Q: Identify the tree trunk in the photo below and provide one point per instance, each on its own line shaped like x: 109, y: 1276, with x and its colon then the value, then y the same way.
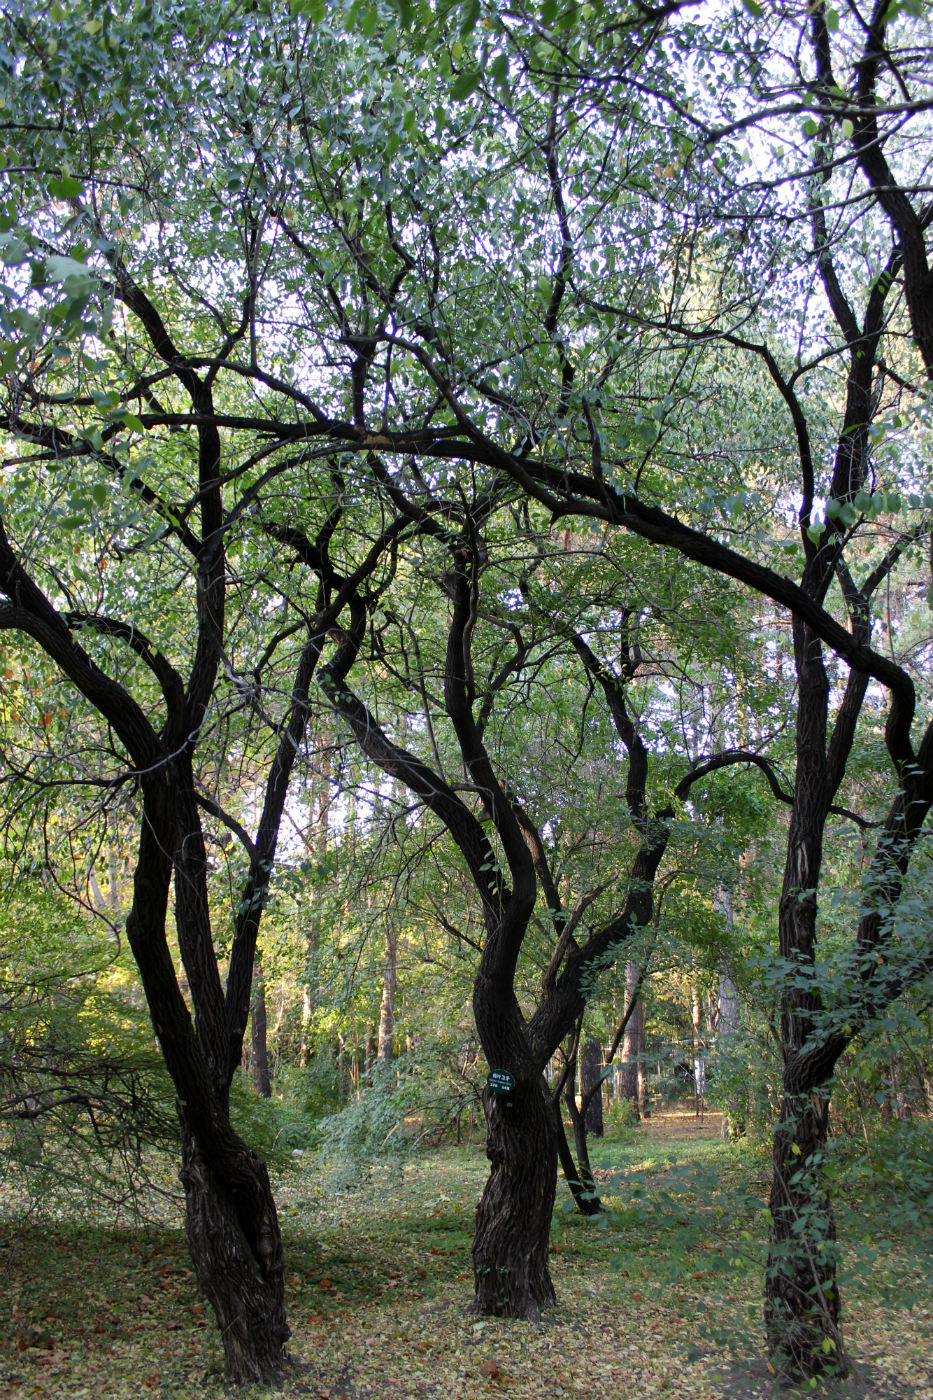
x: 727, y: 1026
x: 583, y: 1185
x: 584, y: 1194
x: 699, y: 1058
x: 233, y: 1237
x: 262, y: 1080
x: 591, y: 1071
x: 633, y: 1044
x: 384, y: 1050
x: 801, y: 1295
x: 513, y: 1221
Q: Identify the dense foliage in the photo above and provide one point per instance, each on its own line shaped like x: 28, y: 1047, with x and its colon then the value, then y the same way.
x: 465, y: 535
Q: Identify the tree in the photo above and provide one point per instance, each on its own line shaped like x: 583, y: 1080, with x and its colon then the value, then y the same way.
x: 153, y: 589
x: 740, y: 294
x: 543, y: 265
x: 541, y: 853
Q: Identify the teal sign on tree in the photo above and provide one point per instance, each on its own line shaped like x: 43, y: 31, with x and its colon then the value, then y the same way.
x: 500, y: 1081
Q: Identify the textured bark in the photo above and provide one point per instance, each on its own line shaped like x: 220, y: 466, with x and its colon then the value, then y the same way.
x: 583, y: 1183
x: 699, y: 1059
x: 727, y: 1025
x: 591, y: 1089
x: 513, y: 1221
x: 233, y: 1237
x: 801, y: 1294
x: 259, y: 1047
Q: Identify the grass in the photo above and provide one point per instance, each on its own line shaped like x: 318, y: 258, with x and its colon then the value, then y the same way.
x: 661, y: 1298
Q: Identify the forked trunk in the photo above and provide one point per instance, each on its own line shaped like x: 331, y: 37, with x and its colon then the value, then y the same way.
x: 233, y: 1238
x: 801, y: 1293
x: 513, y: 1221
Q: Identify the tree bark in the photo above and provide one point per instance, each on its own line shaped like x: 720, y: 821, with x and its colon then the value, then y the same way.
x: 727, y: 1025
x: 513, y: 1221
x: 233, y: 1237
x: 262, y: 1080
x: 699, y: 1057
x: 583, y: 1192
x: 591, y: 1070
x: 801, y: 1295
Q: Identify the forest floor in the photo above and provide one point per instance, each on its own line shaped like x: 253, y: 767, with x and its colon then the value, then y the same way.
x: 660, y: 1297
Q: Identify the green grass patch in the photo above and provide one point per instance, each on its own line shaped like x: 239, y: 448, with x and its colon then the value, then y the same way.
x: 659, y: 1297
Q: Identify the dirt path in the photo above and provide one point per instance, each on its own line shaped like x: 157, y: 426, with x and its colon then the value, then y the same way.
x: 680, y: 1121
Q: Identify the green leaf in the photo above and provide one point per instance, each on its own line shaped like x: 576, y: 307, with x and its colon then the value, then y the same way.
x: 466, y: 83
x: 64, y: 187
x: 470, y: 17
x: 832, y: 20
x: 72, y: 274
x: 15, y: 250
x: 499, y: 71
x: 753, y: 8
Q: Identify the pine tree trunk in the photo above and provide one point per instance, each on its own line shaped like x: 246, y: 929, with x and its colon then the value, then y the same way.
x: 801, y: 1294
x: 513, y: 1221
x: 233, y: 1236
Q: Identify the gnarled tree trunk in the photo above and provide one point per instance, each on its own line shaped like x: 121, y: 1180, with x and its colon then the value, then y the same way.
x: 801, y: 1295
x: 233, y: 1236
x: 513, y: 1221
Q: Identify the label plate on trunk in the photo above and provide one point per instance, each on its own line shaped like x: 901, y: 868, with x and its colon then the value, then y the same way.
x: 500, y: 1081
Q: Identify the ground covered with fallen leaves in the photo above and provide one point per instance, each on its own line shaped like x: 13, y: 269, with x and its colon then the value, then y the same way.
x: 659, y: 1297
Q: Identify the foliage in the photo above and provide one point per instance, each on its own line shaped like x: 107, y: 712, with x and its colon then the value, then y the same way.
x: 85, y: 1105
x: 422, y: 335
